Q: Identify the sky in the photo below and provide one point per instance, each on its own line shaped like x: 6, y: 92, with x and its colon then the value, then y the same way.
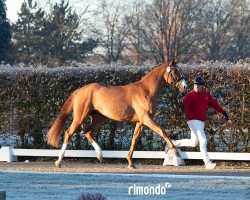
x: 13, y: 6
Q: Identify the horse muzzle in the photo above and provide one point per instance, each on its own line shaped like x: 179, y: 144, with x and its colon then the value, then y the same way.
x: 183, y: 86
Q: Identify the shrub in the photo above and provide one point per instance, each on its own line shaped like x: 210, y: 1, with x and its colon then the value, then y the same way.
x: 32, y: 97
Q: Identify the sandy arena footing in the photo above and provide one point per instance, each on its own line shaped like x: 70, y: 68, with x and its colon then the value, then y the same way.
x: 80, y: 167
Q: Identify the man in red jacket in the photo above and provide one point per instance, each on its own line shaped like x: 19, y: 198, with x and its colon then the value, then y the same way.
x: 196, y: 104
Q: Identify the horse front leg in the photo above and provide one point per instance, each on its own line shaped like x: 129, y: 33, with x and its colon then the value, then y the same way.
x: 137, y: 133
x: 152, y: 125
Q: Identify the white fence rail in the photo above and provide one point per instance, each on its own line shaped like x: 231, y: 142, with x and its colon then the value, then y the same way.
x: 8, y: 154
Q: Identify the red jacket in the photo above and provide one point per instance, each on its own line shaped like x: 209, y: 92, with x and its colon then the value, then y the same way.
x: 196, y: 105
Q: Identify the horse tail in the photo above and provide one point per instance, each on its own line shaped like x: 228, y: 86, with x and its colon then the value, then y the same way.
x: 58, y: 125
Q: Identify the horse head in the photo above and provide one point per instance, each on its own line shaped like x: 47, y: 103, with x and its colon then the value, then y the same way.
x: 174, y: 76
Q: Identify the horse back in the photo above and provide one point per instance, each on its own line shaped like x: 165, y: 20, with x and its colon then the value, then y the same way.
x: 115, y: 102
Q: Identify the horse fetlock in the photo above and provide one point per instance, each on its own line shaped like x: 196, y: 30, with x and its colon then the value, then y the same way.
x: 99, y: 157
x: 130, y: 164
x: 58, y: 163
x: 174, y: 149
x: 129, y: 160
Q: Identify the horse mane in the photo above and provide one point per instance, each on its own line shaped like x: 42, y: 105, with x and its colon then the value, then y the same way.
x: 151, y: 70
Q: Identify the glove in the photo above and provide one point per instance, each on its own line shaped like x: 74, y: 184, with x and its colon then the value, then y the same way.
x: 225, y: 115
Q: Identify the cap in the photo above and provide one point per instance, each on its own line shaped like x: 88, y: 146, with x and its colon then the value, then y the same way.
x: 199, y: 81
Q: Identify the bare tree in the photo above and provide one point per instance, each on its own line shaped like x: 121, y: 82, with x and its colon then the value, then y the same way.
x: 223, y: 29
x: 112, y: 30
x: 135, y: 20
x: 240, y: 47
x: 165, y: 29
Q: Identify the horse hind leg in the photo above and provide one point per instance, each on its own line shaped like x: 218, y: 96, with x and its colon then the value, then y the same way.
x: 68, y: 134
x: 78, y: 118
x: 96, y: 122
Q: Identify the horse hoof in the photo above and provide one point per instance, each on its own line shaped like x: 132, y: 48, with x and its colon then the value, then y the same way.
x: 58, y: 164
x: 131, y: 167
x: 99, y: 157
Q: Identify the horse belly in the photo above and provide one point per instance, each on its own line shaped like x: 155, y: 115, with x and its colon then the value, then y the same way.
x: 114, y: 102
x: 118, y: 112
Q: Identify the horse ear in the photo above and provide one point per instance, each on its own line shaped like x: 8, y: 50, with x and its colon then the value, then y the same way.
x: 174, y: 62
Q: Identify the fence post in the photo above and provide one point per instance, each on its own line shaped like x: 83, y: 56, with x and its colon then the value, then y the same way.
x: 2, y: 195
x: 172, y: 159
x: 6, y: 154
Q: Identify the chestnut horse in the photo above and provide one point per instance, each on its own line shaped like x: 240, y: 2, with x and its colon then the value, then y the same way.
x: 135, y: 102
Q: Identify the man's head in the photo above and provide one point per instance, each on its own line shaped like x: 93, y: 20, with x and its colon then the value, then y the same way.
x: 198, y: 84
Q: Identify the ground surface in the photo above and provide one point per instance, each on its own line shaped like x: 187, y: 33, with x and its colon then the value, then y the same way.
x: 44, y: 181
x: 90, y: 167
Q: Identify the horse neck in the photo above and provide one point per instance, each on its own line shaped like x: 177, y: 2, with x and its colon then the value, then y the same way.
x: 154, y: 81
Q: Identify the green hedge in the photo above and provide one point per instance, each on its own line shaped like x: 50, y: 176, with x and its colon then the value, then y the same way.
x: 30, y: 99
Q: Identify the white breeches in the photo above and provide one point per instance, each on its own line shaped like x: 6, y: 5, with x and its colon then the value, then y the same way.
x: 197, y: 136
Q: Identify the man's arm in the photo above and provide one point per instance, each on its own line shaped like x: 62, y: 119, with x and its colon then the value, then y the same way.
x: 214, y: 104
